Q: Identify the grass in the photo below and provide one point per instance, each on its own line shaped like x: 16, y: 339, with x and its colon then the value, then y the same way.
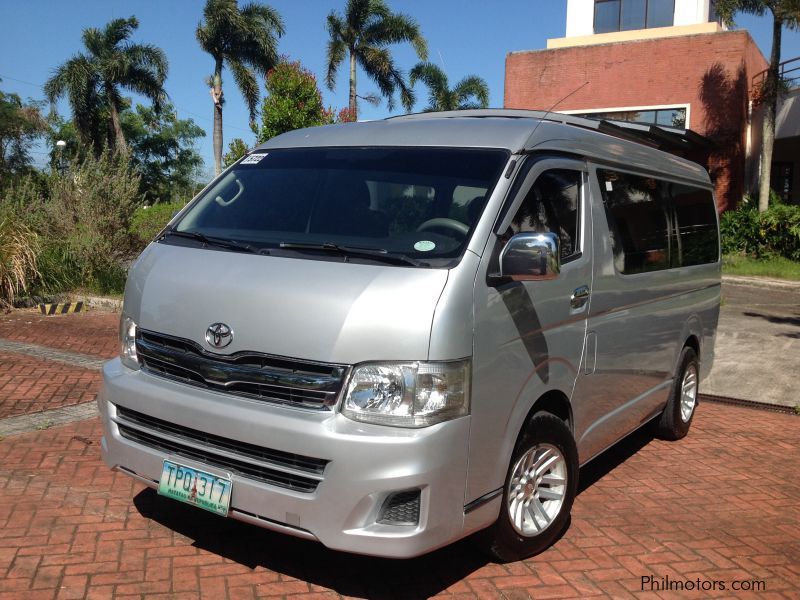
x: 779, y: 268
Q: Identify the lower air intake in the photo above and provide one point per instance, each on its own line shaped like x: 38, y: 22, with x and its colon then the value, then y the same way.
x: 400, y: 508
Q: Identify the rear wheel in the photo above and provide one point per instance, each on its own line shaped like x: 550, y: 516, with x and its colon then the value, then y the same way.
x: 677, y: 417
x: 539, y: 490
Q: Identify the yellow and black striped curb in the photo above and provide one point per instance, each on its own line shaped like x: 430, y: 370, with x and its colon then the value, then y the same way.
x: 61, y: 308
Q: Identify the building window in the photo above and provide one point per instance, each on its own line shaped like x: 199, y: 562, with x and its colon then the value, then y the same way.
x: 625, y: 15
x: 781, y: 179
x: 667, y: 117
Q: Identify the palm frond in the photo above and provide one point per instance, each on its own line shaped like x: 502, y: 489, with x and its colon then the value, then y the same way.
x: 270, y: 18
x: 337, y: 51
x: 429, y: 74
x: 394, y: 29
x: 379, y: 66
x: 357, y: 12
x: 94, y: 40
x: 119, y: 30
x: 149, y: 57
x: 472, y: 87
x: 248, y: 86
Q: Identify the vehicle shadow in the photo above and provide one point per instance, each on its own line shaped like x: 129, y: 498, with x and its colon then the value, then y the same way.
x: 614, y: 457
x: 795, y: 321
x: 347, y: 574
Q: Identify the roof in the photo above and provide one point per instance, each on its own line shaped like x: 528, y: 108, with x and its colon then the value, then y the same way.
x: 519, y: 131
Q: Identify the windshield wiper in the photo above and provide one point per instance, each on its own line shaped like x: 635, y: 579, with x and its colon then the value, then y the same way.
x: 375, y: 253
x: 215, y: 241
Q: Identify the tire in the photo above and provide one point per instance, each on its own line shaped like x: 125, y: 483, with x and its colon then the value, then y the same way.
x: 675, y: 420
x: 533, y: 518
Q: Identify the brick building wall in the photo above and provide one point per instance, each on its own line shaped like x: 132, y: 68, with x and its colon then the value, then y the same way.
x: 711, y: 73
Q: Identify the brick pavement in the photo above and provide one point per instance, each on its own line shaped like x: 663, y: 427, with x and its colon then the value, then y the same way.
x: 719, y: 505
x: 29, y: 385
x: 93, y: 332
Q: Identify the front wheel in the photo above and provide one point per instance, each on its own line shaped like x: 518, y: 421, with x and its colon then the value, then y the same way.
x: 539, y: 490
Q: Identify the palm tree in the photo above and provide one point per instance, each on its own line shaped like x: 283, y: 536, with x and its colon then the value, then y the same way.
x: 92, y: 80
x: 244, y: 39
x: 470, y: 92
x: 785, y: 13
x: 364, y: 32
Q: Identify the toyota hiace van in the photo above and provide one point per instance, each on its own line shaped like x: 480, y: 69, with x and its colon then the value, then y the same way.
x: 386, y: 336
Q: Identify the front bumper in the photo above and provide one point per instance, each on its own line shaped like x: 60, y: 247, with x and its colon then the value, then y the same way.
x: 367, y: 463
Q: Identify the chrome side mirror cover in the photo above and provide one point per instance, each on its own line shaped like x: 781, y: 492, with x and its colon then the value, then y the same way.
x: 531, y: 257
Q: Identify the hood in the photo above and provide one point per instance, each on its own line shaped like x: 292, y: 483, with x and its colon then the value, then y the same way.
x: 308, y: 309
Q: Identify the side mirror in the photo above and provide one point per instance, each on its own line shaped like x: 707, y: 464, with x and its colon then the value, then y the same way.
x: 531, y: 257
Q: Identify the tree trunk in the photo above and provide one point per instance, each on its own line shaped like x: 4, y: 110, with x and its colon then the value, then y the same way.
x: 353, y: 100
x: 216, y: 97
x: 771, y: 88
x: 119, y: 138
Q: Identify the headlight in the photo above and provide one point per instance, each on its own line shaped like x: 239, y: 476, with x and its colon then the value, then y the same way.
x: 127, y: 339
x: 414, y: 394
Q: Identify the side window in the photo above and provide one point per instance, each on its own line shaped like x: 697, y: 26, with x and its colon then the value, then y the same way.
x: 637, y: 215
x: 696, y: 241
x: 553, y: 205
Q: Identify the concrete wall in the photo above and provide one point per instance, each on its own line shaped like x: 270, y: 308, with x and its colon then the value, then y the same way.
x: 691, y: 12
x: 580, y: 17
x: 709, y: 72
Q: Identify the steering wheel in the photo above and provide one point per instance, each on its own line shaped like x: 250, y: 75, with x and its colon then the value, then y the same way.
x: 445, y: 223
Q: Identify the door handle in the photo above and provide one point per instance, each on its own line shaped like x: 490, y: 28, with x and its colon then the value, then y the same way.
x: 579, y: 297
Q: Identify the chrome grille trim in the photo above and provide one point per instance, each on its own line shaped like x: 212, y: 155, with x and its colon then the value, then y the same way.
x: 283, y: 469
x: 254, y: 375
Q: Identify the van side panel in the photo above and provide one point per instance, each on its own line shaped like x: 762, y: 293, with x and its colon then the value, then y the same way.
x: 640, y: 323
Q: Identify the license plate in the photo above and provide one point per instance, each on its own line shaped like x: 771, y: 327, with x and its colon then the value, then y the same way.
x: 197, y: 487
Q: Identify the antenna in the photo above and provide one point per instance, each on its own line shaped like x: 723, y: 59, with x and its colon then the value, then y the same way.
x: 442, y: 60
x: 549, y: 110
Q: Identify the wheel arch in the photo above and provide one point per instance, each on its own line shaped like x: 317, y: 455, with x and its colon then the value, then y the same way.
x: 553, y: 401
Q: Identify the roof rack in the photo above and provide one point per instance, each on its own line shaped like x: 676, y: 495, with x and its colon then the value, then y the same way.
x: 670, y: 139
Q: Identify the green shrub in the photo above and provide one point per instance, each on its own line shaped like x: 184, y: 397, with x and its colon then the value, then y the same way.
x: 87, y: 219
x: 19, y: 250
x: 147, y: 221
x: 775, y: 232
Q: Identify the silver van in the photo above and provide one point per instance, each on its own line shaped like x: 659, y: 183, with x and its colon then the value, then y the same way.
x: 386, y: 336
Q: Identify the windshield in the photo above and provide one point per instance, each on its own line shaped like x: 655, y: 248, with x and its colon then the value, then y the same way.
x: 418, y: 203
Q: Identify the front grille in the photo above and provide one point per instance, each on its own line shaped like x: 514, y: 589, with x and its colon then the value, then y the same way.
x: 249, y: 374
x: 283, y: 469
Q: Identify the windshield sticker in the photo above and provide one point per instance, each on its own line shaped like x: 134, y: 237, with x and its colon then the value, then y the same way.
x: 609, y: 186
x: 424, y: 246
x: 253, y: 159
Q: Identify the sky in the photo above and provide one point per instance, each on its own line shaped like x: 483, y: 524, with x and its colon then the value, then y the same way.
x: 465, y: 37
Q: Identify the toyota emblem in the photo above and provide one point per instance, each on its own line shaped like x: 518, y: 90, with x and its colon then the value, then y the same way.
x: 219, y: 335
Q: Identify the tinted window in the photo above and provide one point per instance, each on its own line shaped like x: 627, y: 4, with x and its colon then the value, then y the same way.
x: 606, y: 16
x: 634, y: 14
x: 422, y: 202
x: 637, y: 217
x: 696, y: 240
x: 552, y: 205
x: 624, y: 15
x: 660, y: 13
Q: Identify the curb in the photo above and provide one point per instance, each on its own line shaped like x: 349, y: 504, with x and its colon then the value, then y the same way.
x: 102, y: 302
x: 778, y: 408
x: 64, y: 308
x: 761, y: 282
